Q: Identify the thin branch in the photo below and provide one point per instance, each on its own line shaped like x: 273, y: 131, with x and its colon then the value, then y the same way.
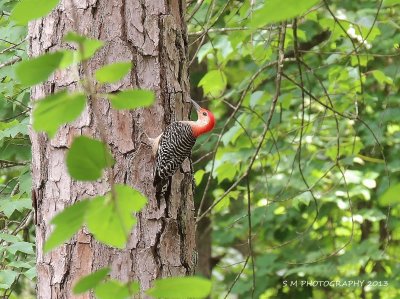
x: 195, y: 9
x: 24, y: 224
x: 4, y: 13
x: 299, y: 150
x: 237, y: 278
x: 11, y: 62
x: 278, y: 80
x: 236, y: 109
x: 13, y: 46
x: 9, y: 164
x: 250, y: 237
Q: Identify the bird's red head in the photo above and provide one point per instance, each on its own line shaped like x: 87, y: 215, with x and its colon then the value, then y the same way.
x: 205, y: 121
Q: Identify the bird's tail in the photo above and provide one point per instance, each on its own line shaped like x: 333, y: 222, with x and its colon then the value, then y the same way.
x: 163, y: 188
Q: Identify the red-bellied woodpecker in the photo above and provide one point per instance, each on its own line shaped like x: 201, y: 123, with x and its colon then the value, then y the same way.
x: 175, y: 144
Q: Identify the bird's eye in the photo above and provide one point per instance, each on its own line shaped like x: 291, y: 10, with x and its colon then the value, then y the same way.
x: 205, y: 113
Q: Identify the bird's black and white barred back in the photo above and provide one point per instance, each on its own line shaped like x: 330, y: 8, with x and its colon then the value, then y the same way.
x: 174, y: 147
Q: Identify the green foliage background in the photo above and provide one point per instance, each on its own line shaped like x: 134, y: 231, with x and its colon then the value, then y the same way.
x: 321, y: 194
x: 309, y: 192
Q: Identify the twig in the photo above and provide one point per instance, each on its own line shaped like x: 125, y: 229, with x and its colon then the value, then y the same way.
x: 13, y: 46
x: 250, y: 237
x: 5, y: 13
x: 24, y: 224
x: 236, y: 109
x: 278, y: 80
x: 237, y: 278
x: 11, y: 62
x: 9, y: 164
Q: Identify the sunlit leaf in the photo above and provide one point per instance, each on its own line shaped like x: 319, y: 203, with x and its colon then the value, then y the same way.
x: 57, y: 109
x: 38, y: 69
x: 87, y: 47
x: 275, y: 10
x: 70, y: 57
x: 111, y: 219
x: 67, y: 223
x: 381, y: 77
x: 391, y: 196
x: 27, y: 10
x: 113, y: 72
x: 90, y: 281
x: 225, y: 171
x: 131, y: 99
x: 180, y: 287
x: 114, y: 289
x: 198, y: 176
x: 87, y: 158
x: 214, y: 82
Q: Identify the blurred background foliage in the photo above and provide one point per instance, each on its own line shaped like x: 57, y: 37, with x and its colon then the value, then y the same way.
x: 321, y: 197
x: 17, y: 242
x: 300, y: 180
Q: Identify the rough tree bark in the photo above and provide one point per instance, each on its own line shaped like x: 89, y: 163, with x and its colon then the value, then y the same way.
x: 151, y: 34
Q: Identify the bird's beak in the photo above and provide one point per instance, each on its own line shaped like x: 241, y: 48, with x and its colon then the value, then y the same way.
x: 196, y: 106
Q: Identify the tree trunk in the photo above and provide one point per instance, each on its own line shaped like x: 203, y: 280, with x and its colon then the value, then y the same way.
x: 151, y: 34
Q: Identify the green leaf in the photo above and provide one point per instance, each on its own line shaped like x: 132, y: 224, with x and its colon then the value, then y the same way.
x: 275, y: 11
x: 180, y: 287
x: 27, y: 10
x: 390, y: 2
x: 25, y: 183
x: 8, y: 206
x: 256, y: 98
x: 57, y: 109
x: 8, y: 125
x: 70, y: 57
x: 67, y: 223
x: 23, y: 247
x: 214, y: 83
x: 225, y: 171
x: 391, y: 196
x: 113, y: 72
x: 19, y: 264
x: 381, y: 77
x: 87, y: 46
x: 87, y: 158
x: 111, y: 219
x: 90, y: 281
x: 372, y: 214
x: 198, y: 176
x: 232, y: 134
x: 9, y: 238
x: 31, y: 273
x: 13, y: 128
x: 113, y: 289
x: 130, y: 198
x: 131, y: 99
x: 38, y: 69
x: 7, y: 278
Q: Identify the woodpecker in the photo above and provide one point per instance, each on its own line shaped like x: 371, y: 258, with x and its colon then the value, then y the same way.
x: 175, y: 144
